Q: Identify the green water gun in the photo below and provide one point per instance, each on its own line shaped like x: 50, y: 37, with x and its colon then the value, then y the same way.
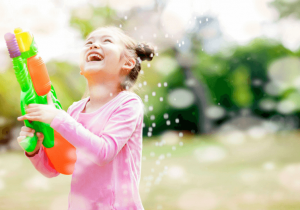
x: 32, y: 75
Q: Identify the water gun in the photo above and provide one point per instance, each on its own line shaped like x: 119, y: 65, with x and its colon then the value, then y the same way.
x: 32, y: 75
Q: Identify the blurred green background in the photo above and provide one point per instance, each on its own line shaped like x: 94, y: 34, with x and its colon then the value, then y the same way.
x: 221, y: 96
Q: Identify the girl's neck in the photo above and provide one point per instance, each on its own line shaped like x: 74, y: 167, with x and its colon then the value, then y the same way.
x: 100, y: 94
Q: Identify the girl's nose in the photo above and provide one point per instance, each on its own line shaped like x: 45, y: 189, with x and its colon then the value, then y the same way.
x: 94, y: 45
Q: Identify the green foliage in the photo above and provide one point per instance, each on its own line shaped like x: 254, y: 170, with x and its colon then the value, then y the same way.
x: 287, y: 7
x: 242, y: 94
x: 231, y: 78
x: 100, y: 16
x: 9, y: 95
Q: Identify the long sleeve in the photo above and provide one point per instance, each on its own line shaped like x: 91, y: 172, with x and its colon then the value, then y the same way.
x: 41, y: 162
x: 101, y: 148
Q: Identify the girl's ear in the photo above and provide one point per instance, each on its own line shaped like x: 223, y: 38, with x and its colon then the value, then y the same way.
x: 129, y: 64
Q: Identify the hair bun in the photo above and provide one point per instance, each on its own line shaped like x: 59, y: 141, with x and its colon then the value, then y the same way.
x: 145, y: 51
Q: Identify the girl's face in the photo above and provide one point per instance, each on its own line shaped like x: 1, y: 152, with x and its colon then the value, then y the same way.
x: 101, y: 54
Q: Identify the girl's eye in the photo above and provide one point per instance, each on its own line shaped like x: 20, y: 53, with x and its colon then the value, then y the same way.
x: 107, y: 40
x: 89, y: 42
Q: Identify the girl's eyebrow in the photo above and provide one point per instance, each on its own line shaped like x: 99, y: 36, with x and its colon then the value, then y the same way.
x: 101, y: 37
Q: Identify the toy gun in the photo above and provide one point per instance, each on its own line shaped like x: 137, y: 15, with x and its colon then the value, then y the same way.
x: 32, y: 75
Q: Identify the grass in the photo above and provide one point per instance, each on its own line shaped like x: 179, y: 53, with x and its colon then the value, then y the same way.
x: 205, y: 172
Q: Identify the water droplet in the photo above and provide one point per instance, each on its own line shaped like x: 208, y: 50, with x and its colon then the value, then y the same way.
x: 156, y: 143
x: 144, y: 157
x: 125, y: 17
x: 177, y: 41
x: 165, y: 84
x: 144, y: 125
x: 177, y: 120
x: 148, y: 65
x: 200, y: 21
x: 173, y: 148
x: 135, y: 28
x: 150, y: 108
x: 142, y: 72
x: 145, y: 82
x: 153, y: 93
x: 150, y: 129
x: 152, y: 117
x: 110, y: 94
x: 157, y: 162
x: 152, y: 154
x: 168, y: 154
x: 146, y: 96
x: 166, y: 116
x: 179, y: 45
x: 219, y: 104
x: 156, y: 54
x: 152, y: 170
x: 180, y: 143
x: 182, y: 42
x: 180, y: 134
x: 159, y: 84
x: 149, y: 134
x: 140, y: 84
x: 166, y: 35
x: 206, y: 19
x: 120, y: 25
x: 153, y: 125
x: 161, y: 98
x: 168, y: 122
x: 161, y: 157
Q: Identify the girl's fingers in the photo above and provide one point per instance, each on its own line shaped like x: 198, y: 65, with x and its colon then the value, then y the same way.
x: 20, y: 138
x: 25, y: 128
x: 26, y: 133
x: 29, y: 110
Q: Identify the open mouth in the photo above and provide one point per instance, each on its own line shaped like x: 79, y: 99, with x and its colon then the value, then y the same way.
x: 94, y: 57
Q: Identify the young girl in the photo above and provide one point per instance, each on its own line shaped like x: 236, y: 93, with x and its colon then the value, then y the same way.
x: 105, y: 127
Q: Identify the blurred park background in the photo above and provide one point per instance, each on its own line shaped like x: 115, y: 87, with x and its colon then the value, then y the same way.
x: 221, y: 124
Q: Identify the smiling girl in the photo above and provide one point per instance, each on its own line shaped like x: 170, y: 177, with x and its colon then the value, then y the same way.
x: 105, y: 127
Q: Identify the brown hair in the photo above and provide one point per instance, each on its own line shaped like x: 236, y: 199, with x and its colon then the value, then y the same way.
x: 140, y: 51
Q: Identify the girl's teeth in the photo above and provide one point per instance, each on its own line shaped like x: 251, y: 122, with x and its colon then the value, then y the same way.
x: 89, y: 57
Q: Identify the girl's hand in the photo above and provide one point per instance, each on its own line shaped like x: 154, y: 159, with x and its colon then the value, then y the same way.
x: 26, y: 131
x: 41, y: 112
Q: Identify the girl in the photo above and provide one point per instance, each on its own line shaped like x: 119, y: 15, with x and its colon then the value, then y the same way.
x: 105, y: 127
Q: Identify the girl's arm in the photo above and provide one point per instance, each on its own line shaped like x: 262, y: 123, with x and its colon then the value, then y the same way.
x: 41, y: 162
x: 101, y: 149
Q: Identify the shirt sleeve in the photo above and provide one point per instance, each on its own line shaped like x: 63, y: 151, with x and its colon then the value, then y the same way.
x: 41, y: 162
x: 101, y: 148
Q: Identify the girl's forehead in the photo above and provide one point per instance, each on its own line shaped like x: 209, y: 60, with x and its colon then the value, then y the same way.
x: 103, y: 32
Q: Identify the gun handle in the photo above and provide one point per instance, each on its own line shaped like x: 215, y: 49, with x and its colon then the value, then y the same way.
x: 29, y: 143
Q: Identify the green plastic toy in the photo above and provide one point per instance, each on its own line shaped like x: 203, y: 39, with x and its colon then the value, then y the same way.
x: 32, y: 75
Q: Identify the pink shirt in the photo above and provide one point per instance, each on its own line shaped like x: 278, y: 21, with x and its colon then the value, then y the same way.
x: 108, y: 145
